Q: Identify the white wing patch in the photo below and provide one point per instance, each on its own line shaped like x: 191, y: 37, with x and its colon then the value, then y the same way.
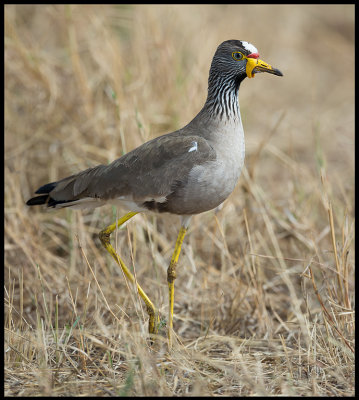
x: 194, y: 147
x: 249, y: 47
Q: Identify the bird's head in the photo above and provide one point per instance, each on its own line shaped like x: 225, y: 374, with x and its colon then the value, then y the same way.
x: 239, y: 59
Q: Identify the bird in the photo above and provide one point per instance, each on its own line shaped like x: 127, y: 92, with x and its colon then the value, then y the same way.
x: 186, y: 172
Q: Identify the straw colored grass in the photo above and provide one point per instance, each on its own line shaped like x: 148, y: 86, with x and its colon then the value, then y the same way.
x: 264, y: 295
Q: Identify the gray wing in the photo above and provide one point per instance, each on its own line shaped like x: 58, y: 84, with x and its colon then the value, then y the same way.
x: 152, y: 170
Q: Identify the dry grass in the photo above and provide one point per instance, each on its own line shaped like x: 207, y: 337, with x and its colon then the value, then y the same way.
x: 264, y: 301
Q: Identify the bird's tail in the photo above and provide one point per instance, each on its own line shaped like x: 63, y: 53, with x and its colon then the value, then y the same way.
x: 72, y: 191
x: 46, y: 198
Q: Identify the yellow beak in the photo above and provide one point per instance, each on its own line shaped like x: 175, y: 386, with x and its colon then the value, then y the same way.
x: 256, y: 65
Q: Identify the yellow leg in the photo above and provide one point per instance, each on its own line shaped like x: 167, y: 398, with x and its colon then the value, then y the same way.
x: 171, y: 276
x: 104, y: 235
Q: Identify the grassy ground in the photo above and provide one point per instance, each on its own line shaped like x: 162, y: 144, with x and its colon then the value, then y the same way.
x: 264, y: 295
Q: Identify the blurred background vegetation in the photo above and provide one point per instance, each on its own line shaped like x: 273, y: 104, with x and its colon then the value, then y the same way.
x: 265, y: 285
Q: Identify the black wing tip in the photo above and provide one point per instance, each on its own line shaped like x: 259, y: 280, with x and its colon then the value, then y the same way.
x: 38, y: 200
x: 46, y: 188
x: 45, y: 198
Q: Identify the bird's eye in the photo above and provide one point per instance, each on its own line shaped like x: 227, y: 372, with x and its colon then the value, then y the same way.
x: 237, y: 55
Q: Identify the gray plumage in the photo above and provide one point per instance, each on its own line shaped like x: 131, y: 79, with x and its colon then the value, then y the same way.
x: 185, y: 172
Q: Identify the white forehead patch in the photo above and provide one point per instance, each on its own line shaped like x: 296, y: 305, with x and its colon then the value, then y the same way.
x: 249, y: 47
